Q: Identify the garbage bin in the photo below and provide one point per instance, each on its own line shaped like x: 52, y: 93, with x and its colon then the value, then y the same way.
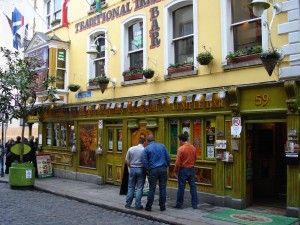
x: 21, y: 174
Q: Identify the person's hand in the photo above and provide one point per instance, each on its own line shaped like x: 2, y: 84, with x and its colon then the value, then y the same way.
x: 175, y: 175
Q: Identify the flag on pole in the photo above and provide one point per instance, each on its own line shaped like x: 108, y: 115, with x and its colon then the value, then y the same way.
x: 17, y: 23
x: 98, y: 5
x: 65, y: 13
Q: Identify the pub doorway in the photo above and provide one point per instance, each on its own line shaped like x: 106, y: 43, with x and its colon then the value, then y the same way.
x: 266, y: 168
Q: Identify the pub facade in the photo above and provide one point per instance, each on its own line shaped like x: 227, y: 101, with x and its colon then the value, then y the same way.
x: 243, y: 122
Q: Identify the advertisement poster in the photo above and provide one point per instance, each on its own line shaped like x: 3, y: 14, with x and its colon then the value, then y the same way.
x: 44, y: 166
x: 88, y: 144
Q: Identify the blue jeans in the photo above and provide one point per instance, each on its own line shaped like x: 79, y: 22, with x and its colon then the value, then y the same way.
x: 186, y: 174
x: 136, y: 182
x: 159, y: 174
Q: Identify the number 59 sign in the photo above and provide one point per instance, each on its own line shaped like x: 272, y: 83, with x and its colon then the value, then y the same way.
x: 262, y: 100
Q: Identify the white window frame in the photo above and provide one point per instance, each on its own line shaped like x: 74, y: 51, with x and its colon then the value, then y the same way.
x: 64, y: 69
x: 52, y: 12
x: 227, y: 32
x: 125, y: 63
x: 169, y: 51
x: 91, y: 58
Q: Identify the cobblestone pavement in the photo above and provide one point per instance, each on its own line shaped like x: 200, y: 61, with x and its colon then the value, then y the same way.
x: 31, y: 207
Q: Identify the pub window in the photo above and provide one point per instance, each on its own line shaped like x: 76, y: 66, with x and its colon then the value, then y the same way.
x: 210, y: 138
x: 110, y: 139
x: 97, y: 63
x: 60, y: 134
x: 183, y: 35
x: 135, y: 45
x: 119, y: 139
x: 193, y: 127
x: 60, y: 69
x: 246, y: 28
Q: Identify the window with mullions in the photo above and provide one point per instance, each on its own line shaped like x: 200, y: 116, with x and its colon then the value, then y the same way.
x: 135, y: 45
x: 210, y: 138
x: 246, y: 28
x: 193, y: 127
x: 53, y: 11
x: 57, y: 10
x: 60, y: 69
x: 99, y: 61
x: 183, y: 35
x: 60, y: 134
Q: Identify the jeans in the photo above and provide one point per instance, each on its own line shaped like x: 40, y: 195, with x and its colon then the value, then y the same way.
x: 186, y: 174
x: 136, y: 182
x: 159, y: 174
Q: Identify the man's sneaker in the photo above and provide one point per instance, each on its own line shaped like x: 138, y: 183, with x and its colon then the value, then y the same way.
x: 195, y: 207
x: 177, y: 207
x: 162, y: 208
x: 127, y: 206
x: 139, y: 208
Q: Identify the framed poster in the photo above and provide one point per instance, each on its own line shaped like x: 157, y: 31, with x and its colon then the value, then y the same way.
x: 171, y: 169
x: 44, y: 166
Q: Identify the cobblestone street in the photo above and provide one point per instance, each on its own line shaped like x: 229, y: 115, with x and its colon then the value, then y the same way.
x: 20, y: 207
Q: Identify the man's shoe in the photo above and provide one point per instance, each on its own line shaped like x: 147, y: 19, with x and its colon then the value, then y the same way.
x: 139, y: 208
x: 177, y: 207
x: 127, y: 206
x: 195, y: 207
x: 163, y: 208
x: 148, y: 209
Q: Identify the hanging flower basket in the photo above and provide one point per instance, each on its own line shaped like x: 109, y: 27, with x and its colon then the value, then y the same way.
x: 205, y: 57
x: 148, y: 73
x: 102, y: 82
x: 270, y: 59
x: 74, y: 87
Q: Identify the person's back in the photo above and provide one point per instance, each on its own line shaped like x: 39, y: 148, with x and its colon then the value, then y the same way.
x: 135, y: 156
x: 156, y: 156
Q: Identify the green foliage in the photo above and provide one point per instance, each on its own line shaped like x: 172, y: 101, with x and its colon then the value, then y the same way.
x: 176, y: 65
x: 18, y: 86
x: 102, y: 79
x: 270, y: 54
x: 205, y: 57
x: 244, y: 51
x: 73, y: 87
x: 132, y: 71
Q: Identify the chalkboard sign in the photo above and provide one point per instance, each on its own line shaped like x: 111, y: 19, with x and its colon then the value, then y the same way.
x: 44, y: 166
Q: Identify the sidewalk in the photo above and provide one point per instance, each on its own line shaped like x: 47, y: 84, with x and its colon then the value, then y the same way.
x: 107, y: 196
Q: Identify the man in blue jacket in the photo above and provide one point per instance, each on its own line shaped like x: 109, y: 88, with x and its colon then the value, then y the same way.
x: 156, y: 160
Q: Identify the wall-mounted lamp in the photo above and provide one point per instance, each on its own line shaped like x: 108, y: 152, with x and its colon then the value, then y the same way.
x: 113, y: 82
x: 259, y: 6
x: 93, y: 48
x: 271, y: 57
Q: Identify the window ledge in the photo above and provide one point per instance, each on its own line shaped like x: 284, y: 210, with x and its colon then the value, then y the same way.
x: 132, y: 82
x: 181, y: 75
x: 93, y: 87
x: 240, y: 65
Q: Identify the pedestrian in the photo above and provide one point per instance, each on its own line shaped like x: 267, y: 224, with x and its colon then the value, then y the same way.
x: 156, y: 160
x: 184, y: 170
x: 137, y: 175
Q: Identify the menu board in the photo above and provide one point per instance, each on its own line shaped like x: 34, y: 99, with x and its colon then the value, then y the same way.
x: 44, y: 166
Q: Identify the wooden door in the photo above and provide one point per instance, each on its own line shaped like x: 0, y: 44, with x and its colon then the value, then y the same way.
x: 114, y: 154
x: 140, y: 132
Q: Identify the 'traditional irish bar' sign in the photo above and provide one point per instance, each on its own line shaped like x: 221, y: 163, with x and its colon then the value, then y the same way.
x: 111, y: 14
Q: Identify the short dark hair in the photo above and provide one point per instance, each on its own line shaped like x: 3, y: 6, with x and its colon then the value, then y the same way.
x: 141, y: 140
x: 183, y: 137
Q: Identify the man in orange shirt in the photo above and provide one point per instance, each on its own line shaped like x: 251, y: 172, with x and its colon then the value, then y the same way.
x: 184, y: 170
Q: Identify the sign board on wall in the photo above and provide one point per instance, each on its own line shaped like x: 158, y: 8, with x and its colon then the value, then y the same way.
x: 44, y: 166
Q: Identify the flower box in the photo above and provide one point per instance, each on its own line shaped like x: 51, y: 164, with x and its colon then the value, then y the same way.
x: 180, y: 69
x: 135, y: 76
x: 243, y: 58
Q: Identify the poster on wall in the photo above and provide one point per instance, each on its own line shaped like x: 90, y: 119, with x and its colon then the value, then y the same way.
x: 88, y: 144
x: 44, y: 166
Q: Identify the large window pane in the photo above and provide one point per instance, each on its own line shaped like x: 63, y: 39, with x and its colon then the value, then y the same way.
x: 100, y: 47
x: 241, y: 10
x: 135, y: 38
x: 57, y: 5
x: 61, y: 58
x: 247, y: 35
x: 184, y: 50
x: 136, y: 59
x: 183, y: 21
x: 60, y: 79
x: 99, y: 67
